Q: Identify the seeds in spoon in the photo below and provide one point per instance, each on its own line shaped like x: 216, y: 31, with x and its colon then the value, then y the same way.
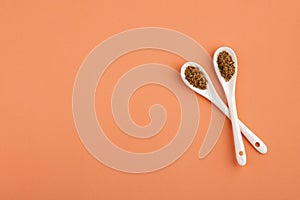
x: 226, y: 65
x: 195, y: 77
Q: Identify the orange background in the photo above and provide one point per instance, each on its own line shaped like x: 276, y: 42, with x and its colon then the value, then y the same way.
x: 43, y: 44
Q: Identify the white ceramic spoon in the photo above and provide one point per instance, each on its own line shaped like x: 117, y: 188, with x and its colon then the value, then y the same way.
x: 211, y: 94
x: 229, y: 89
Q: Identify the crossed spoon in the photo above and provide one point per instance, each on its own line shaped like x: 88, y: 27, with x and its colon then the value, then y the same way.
x: 229, y: 88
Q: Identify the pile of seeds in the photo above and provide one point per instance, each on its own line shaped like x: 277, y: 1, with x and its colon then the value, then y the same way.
x: 195, y: 77
x: 226, y: 65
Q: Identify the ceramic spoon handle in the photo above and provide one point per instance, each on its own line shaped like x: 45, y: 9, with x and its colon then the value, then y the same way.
x: 240, y: 152
x: 255, y: 141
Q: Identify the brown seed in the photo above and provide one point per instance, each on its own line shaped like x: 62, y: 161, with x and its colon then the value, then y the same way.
x: 195, y: 77
x: 226, y: 65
